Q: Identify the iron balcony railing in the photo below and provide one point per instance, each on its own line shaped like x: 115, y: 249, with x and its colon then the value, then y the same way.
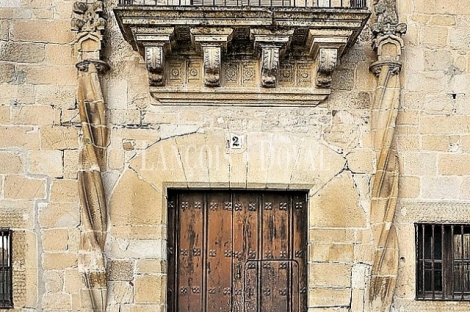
x: 355, y: 4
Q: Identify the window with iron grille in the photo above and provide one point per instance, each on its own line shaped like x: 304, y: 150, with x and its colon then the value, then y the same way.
x: 442, y: 261
x: 5, y: 269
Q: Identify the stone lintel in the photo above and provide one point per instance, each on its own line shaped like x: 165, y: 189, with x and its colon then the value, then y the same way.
x: 240, y: 96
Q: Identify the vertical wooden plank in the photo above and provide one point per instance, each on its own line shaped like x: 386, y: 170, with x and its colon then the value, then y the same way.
x: 299, y: 250
x: 190, y: 264
x: 219, y: 252
x: 171, y: 247
x: 274, y: 275
x: 245, y: 248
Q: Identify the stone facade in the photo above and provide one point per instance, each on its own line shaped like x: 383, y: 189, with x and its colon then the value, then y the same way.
x: 325, y: 147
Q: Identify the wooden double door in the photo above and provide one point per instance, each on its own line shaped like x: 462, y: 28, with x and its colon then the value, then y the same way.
x: 237, y: 251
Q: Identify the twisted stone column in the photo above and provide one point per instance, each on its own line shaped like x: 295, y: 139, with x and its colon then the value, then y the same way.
x: 388, y: 44
x: 88, y: 25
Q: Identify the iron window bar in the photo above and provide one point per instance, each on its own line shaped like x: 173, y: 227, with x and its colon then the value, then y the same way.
x: 6, y: 296
x: 442, y: 261
x: 355, y: 4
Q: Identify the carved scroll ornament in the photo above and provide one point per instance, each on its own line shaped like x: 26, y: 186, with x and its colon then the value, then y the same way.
x: 269, y: 66
x: 271, y: 47
x: 212, y: 62
x: 326, y: 66
x: 211, y: 42
x: 388, y: 44
x: 88, y: 25
x: 155, y: 61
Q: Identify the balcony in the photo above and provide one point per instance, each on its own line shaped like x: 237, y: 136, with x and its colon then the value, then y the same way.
x: 248, y: 52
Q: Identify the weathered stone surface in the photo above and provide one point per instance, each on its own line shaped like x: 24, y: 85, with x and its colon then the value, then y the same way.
x: 42, y: 31
x: 63, y: 215
x: 121, y: 293
x: 64, y: 191
x: 59, y: 261
x: 54, y: 281
x: 20, y: 187
x: 55, y: 240
x: 339, y: 275
x: 337, y: 204
x: 134, y: 192
x: 7, y: 72
x: 46, y: 162
x: 22, y: 52
x: 58, y: 138
x: 149, y: 282
x: 11, y: 162
x: 120, y: 270
x: 57, y: 301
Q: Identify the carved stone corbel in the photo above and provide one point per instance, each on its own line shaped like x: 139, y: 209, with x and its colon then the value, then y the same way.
x: 211, y: 42
x: 155, y: 62
x: 212, y: 62
x: 326, y: 47
x: 272, y: 46
x: 326, y: 65
x: 156, y: 44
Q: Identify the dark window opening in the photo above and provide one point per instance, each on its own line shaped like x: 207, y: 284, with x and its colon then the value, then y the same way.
x: 5, y: 269
x: 442, y: 261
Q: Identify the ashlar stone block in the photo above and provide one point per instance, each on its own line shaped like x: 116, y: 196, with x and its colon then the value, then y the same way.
x: 46, y: 163
x: 59, y: 215
x: 59, y: 261
x: 337, y: 204
x: 21, y: 187
x: 134, y: 192
x: 146, y: 282
x: 329, y: 297
x: 11, y: 162
x: 64, y: 191
x: 59, y: 138
x: 121, y: 270
x: 55, y: 240
x: 339, y: 275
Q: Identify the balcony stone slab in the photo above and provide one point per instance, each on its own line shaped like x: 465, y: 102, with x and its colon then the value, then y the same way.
x: 203, y: 55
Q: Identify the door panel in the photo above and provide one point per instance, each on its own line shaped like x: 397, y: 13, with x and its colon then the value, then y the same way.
x: 190, y: 277
x: 219, y: 251
x: 237, y: 251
